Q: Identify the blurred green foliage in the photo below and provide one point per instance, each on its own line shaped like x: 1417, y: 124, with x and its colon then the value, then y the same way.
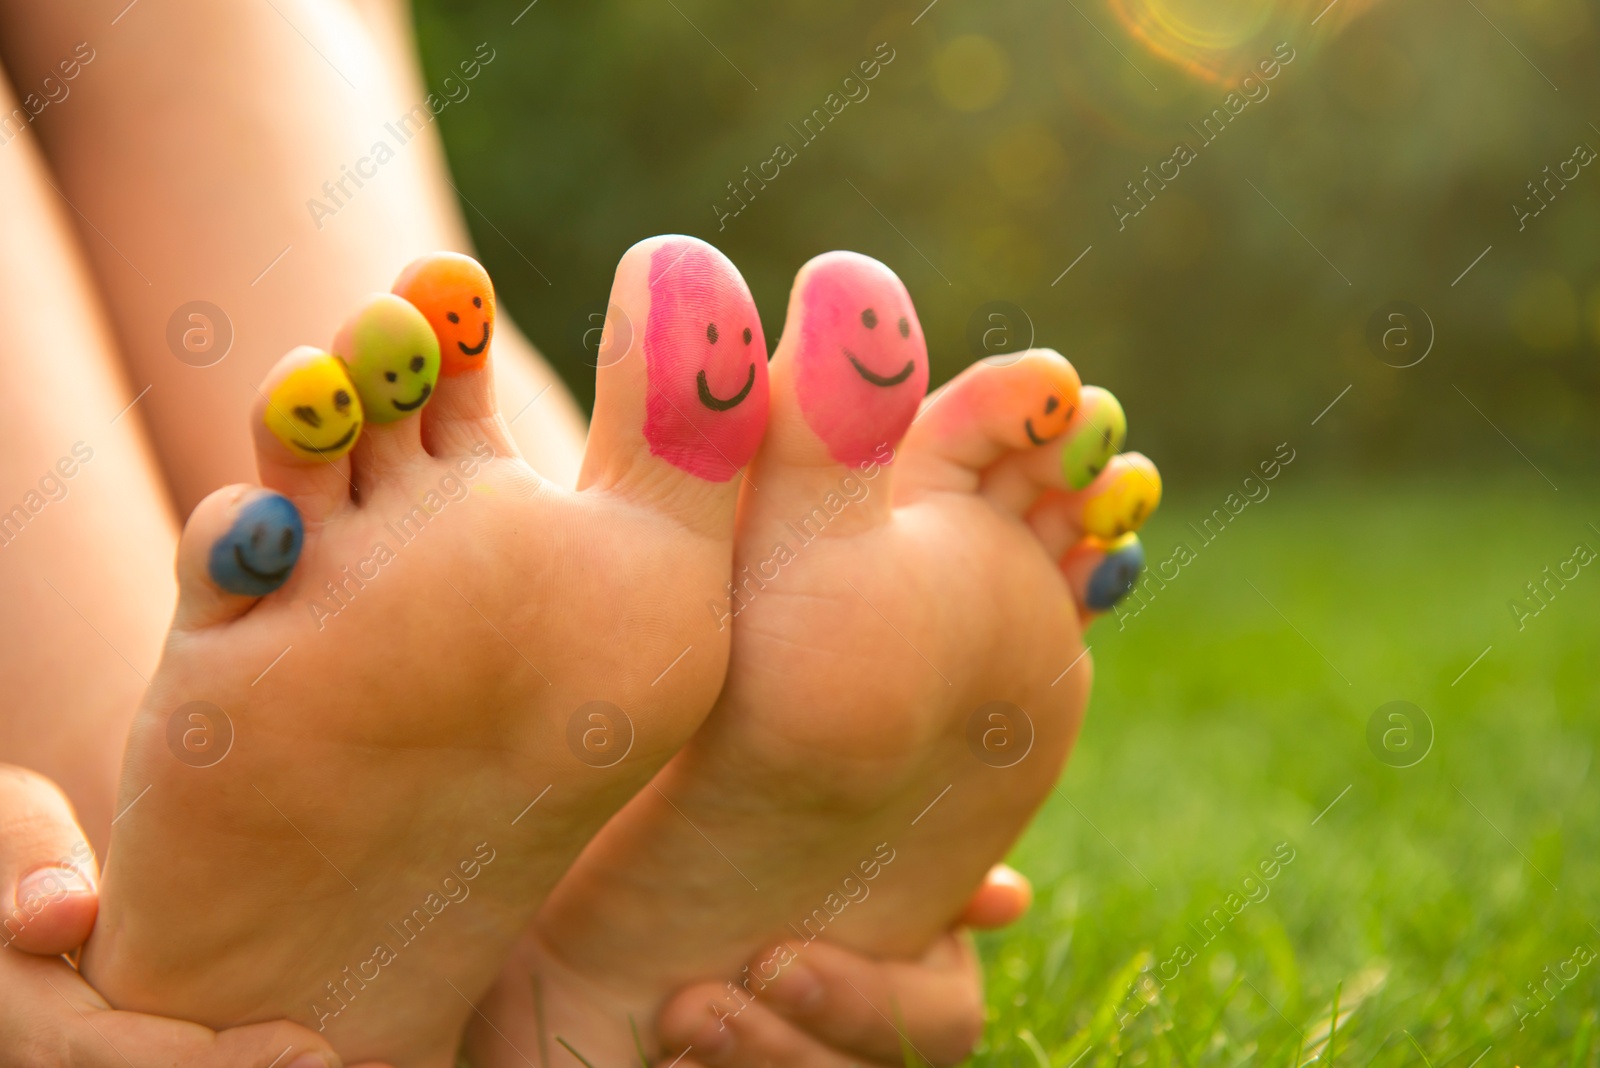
x: 987, y: 156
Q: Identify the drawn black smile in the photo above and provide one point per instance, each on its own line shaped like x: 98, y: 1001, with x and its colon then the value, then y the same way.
x: 474, y: 350
x: 411, y: 406
x: 715, y: 403
x: 880, y: 380
x: 1027, y: 424
x: 264, y: 576
x: 349, y: 436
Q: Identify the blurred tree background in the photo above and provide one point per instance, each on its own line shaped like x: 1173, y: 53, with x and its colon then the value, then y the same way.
x: 986, y: 156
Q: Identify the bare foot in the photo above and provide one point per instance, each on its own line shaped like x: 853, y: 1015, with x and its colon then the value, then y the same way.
x: 908, y: 674
x: 407, y: 680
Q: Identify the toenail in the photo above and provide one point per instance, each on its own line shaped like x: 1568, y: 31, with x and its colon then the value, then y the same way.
x: 797, y: 987
x: 1116, y: 575
x: 50, y: 884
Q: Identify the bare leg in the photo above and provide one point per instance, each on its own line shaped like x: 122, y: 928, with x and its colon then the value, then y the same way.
x: 192, y: 145
x: 86, y: 538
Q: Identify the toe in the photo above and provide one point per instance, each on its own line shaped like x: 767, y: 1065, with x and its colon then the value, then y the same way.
x: 240, y: 544
x: 1009, y: 406
x: 1120, y: 499
x: 681, y: 390
x: 1101, y: 574
x: 847, y: 378
x: 454, y: 294
x: 307, y: 417
x: 392, y: 357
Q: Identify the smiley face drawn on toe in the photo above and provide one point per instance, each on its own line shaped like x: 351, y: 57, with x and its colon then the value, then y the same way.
x: 862, y: 363
x: 705, y: 360
x: 393, y: 356
x: 1098, y: 436
x: 1124, y: 498
x: 316, y: 410
x: 259, y: 551
x: 1053, y: 422
x: 454, y: 294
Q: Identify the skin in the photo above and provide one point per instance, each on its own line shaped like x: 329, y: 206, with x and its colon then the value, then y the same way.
x: 454, y: 293
x: 315, y: 410
x: 1122, y: 497
x: 259, y: 551
x: 392, y: 355
x: 864, y: 363
x: 72, y: 285
x: 707, y: 361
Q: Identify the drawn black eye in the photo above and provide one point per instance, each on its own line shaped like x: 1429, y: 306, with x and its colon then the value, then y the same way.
x: 453, y: 317
x: 905, y: 327
x: 711, y: 333
x: 307, y: 414
x: 747, y: 335
x: 390, y: 375
x: 417, y: 362
x: 477, y: 302
x: 286, y: 542
x: 869, y: 318
x: 1051, y: 404
x: 256, y: 535
x: 341, y: 400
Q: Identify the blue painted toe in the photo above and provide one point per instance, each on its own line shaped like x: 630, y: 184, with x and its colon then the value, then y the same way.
x: 259, y: 551
x: 1116, y: 575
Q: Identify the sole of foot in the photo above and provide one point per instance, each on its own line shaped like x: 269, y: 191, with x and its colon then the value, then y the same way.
x: 911, y: 581
x: 408, y: 680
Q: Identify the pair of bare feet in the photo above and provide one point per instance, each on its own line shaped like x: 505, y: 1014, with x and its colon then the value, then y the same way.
x: 793, y: 665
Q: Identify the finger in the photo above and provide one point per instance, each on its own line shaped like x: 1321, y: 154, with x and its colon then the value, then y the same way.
x: 49, y: 1015
x: 864, y: 1007
x: 48, y: 876
x: 720, y: 1033
x: 1003, y: 899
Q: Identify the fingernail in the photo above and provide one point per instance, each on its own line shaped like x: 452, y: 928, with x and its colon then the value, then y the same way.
x: 1127, y: 492
x: 862, y: 362
x: 706, y: 360
x: 259, y: 550
x: 51, y: 884
x: 715, y: 1037
x: 454, y: 294
x: 1117, y: 574
x: 797, y: 986
x: 392, y: 355
x: 1101, y: 430
x: 315, y: 410
x: 312, y: 1060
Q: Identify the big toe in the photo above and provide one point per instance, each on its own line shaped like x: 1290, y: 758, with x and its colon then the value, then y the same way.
x: 681, y: 388
x: 847, y: 378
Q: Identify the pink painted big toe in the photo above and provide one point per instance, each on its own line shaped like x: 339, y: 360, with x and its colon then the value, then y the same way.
x: 707, y: 362
x: 863, y: 363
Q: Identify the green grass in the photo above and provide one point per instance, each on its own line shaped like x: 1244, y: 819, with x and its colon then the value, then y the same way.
x: 1426, y: 899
